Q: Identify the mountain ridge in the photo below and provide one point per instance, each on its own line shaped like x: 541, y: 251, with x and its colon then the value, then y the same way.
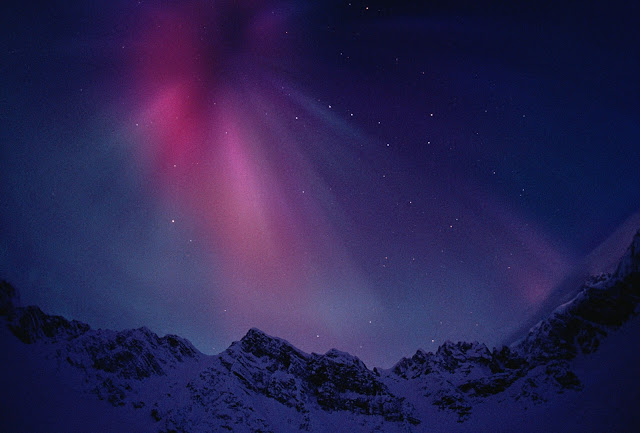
x: 263, y: 383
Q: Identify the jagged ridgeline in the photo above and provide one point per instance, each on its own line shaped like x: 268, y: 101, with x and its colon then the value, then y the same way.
x: 264, y: 384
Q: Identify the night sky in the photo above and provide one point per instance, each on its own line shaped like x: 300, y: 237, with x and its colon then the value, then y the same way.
x: 360, y: 175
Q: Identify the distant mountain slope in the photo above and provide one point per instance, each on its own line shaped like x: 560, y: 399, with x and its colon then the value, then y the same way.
x: 462, y: 376
x: 264, y: 384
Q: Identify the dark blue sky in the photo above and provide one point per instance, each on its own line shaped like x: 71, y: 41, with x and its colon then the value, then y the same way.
x: 359, y: 175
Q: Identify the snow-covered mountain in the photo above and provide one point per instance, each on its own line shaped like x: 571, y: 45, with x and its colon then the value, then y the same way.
x: 577, y: 370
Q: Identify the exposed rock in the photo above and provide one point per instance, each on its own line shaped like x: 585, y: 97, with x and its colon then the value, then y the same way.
x: 8, y: 298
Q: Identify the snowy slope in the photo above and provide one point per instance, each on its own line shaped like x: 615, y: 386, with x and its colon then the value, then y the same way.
x: 574, y: 371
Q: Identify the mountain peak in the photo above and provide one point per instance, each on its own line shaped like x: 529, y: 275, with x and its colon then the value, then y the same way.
x: 255, y: 333
x: 259, y: 344
x: 256, y: 336
x: 463, y: 349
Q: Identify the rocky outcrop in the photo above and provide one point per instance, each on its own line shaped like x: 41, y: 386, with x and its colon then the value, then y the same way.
x: 8, y: 298
x: 603, y: 304
x: 630, y: 262
x: 335, y: 381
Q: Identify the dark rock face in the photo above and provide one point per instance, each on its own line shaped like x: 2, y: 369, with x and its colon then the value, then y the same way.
x: 30, y: 324
x: 8, y: 297
x: 418, y: 365
x: 630, y: 262
x: 489, y: 385
x: 136, y: 354
x: 578, y: 328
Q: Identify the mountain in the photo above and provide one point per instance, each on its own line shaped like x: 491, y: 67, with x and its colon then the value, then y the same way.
x: 574, y: 371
